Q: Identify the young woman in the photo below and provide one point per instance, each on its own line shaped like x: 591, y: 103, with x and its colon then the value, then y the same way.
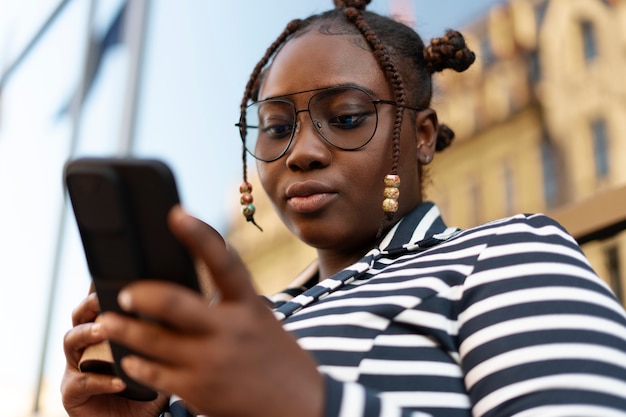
x: 400, y: 315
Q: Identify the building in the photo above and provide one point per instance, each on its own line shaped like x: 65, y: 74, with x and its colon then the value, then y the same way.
x: 540, y: 123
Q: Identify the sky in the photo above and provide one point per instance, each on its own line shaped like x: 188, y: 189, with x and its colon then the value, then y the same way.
x: 196, y: 63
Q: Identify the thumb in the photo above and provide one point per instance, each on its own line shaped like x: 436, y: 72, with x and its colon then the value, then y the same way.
x: 229, y: 274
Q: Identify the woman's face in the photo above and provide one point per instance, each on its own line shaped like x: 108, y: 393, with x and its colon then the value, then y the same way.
x: 331, y: 198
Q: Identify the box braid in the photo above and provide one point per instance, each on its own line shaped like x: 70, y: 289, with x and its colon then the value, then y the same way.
x: 251, y: 92
x: 415, y: 64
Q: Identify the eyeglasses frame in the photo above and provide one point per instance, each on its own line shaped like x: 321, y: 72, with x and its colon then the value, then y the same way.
x: 283, y: 98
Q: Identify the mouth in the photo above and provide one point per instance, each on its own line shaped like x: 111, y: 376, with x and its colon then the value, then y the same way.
x: 309, y: 196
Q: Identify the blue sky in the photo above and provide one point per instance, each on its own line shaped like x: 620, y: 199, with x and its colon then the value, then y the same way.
x: 196, y: 64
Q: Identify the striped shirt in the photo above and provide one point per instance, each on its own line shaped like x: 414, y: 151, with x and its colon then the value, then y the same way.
x: 505, y: 319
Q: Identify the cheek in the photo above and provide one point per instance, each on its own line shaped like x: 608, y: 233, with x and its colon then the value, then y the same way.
x: 267, y: 177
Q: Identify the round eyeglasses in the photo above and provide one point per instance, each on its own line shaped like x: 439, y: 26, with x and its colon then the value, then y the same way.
x: 346, y: 117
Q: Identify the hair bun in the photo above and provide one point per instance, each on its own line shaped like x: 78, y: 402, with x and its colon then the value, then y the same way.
x: 357, y: 4
x: 445, y: 135
x: 449, y: 51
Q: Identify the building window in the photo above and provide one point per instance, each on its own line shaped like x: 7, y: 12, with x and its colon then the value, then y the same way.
x: 540, y: 13
x: 534, y: 67
x: 550, y: 173
x: 486, y: 52
x: 475, y: 191
x: 509, y: 189
x: 600, y: 148
x: 611, y: 254
x: 590, y: 49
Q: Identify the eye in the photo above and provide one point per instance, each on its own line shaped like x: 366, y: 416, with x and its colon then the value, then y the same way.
x: 343, y: 109
x: 348, y: 121
x: 276, y: 129
x: 276, y: 120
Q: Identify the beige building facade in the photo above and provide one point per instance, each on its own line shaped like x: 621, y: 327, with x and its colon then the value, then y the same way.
x: 540, y: 123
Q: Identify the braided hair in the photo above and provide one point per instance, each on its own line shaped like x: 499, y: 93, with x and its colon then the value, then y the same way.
x: 407, y: 64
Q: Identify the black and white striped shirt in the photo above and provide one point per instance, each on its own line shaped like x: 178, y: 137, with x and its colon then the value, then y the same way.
x: 505, y: 319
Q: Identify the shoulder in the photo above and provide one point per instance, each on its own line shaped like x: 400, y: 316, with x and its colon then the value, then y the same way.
x: 529, y: 250
x: 521, y: 229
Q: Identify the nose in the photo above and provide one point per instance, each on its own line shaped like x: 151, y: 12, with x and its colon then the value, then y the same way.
x: 308, y: 150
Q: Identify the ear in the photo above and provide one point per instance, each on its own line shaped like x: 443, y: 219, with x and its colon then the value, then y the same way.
x: 426, y: 128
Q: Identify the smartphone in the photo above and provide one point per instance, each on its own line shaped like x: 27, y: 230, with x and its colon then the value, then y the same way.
x: 121, y: 207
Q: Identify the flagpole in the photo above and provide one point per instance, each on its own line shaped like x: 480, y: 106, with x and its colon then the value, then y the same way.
x: 135, y: 36
x: 76, y: 114
x: 134, y: 31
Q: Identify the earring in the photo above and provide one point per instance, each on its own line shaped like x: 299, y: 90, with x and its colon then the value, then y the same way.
x: 391, y: 193
x: 247, y: 208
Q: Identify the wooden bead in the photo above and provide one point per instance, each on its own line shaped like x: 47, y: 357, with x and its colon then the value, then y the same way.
x: 248, y: 210
x: 391, y: 192
x: 245, y: 187
x: 246, y: 198
x: 392, y: 181
x: 390, y: 205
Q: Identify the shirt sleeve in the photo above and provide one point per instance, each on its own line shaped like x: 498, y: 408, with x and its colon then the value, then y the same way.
x: 539, y: 332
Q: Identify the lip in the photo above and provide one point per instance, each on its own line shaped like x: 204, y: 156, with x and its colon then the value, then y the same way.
x: 309, y: 196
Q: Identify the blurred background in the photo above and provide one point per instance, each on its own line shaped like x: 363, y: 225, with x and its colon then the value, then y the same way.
x: 540, y: 122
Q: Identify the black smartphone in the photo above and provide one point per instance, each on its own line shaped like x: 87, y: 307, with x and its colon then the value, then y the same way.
x: 121, y: 206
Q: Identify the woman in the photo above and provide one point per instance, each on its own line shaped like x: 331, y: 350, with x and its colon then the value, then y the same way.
x: 400, y: 314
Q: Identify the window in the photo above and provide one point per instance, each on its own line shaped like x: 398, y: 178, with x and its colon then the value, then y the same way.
x: 590, y: 50
x: 613, y: 268
x: 534, y: 67
x: 550, y: 173
x: 475, y: 195
x: 486, y: 52
x: 600, y: 148
x: 540, y: 13
x: 509, y: 189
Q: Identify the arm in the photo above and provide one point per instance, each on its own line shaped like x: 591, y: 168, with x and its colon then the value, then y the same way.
x: 539, y: 330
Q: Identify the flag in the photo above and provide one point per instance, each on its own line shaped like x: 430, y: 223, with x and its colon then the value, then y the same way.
x: 97, y: 49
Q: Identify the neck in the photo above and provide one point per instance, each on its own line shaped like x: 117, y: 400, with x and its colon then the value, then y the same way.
x: 330, y: 262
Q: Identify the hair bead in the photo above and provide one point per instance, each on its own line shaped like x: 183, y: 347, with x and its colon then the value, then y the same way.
x: 391, y: 193
x: 246, y: 199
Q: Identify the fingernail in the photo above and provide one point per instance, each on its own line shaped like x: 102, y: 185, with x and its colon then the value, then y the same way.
x: 124, y: 300
x: 129, y: 363
x: 96, y: 329
x: 178, y: 214
x: 118, y: 384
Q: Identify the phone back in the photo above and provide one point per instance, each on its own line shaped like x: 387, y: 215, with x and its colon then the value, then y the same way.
x: 121, y: 207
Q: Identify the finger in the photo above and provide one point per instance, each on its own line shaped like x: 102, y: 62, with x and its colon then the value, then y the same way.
x: 78, y: 338
x: 149, y: 339
x: 77, y: 388
x: 229, y: 274
x: 173, y: 305
x: 158, y: 375
x: 87, y: 310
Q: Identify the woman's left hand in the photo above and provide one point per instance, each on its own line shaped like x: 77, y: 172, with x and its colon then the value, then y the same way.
x: 230, y: 358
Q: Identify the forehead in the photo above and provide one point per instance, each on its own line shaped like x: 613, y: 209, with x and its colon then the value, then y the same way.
x: 316, y: 60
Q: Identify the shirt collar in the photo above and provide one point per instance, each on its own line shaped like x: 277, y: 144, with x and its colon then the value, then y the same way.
x: 421, y: 228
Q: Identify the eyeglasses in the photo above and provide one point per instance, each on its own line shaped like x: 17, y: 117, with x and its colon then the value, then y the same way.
x: 346, y: 117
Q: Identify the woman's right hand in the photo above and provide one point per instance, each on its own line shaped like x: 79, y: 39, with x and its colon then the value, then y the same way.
x: 87, y: 394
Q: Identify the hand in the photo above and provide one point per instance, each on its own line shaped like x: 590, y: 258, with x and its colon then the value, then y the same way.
x: 90, y: 394
x: 230, y: 358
